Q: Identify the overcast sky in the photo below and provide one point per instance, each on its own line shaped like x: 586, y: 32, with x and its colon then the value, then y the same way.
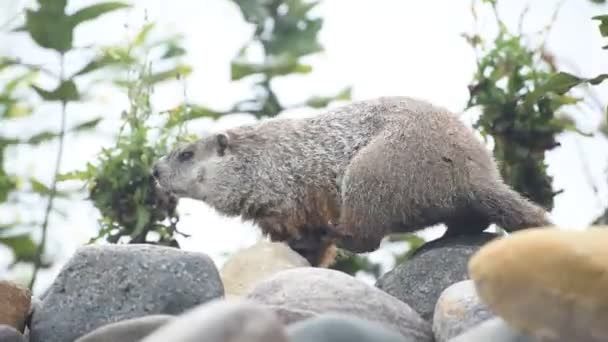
x: 380, y: 47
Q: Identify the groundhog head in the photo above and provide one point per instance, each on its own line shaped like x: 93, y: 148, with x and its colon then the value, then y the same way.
x: 206, y: 170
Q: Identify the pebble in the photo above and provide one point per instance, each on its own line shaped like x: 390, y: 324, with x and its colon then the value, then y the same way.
x: 458, y: 309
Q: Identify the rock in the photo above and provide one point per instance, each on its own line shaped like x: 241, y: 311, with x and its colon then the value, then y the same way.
x: 10, y: 334
x: 431, y: 269
x: 223, y: 321
x: 128, y: 330
x: 14, y: 304
x: 547, y: 282
x: 250, y: 265
x: 109, y: 283
x: 341, y: 328
x: 492, y: 330
x: 302, y: 293
x: 458, y: 309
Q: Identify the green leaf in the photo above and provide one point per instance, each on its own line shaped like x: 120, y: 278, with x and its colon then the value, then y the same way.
x: 141, y: 37
x: 323, y: 101
x: 603, y: 24
x: 559, y: 83
x: 42, y: 137
x: 253, y: 11
x: 97, y: 63
x: 73, y: 175
x: 598, y: 79
x: 276, y: 66
x: 39, y: 187
x: 7, y: 62
x: 173, y: 50
x: 94, y: 11
x: 86, y: 125
x: 23, y: 247
x: 65, y: 92
x: 51, y: 30
x: 178, y: 71
x: 54, y: 6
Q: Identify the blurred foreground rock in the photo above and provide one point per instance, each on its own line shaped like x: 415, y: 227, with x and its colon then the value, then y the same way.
x: 303, y: 293
x: 547, y: 282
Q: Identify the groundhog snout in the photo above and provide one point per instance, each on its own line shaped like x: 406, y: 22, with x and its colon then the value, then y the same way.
x: 155, y: 172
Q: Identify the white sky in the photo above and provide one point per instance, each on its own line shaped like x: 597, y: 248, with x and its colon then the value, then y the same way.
x: 380, y: 47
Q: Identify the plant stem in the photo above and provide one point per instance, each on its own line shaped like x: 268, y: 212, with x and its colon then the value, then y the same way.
x: 51, y: 199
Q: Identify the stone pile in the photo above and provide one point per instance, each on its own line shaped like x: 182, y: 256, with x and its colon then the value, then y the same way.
x: 535, y: 285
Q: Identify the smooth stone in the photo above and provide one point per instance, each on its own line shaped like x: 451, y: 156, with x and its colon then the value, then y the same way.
x: 128, y: 330
x: 14, y: 304
x: 458, y: 310
x: 249, y: 266
x: 492, y: 330
x: 303, y: 293
x: 10, y: 334
x: 549, y: 283
x: 436, y: 265
x: 341, y: 328
x: 104, y: 284
x: 223, y: 321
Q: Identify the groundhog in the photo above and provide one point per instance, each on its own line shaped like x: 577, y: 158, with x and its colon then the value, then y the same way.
x: 350, y: 176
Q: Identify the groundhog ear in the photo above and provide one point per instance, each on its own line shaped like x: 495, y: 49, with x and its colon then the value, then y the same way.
x: 222, y: 143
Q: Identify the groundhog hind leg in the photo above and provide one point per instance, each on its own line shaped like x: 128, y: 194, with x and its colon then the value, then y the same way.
x: 366, y: 192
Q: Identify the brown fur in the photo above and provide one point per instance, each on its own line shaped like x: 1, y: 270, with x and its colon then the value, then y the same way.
x: 350, y: 176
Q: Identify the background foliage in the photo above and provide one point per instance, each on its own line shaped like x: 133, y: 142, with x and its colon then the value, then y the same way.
x: 524, y: 100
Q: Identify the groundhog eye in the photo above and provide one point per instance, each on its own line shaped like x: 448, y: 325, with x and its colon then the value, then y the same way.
x: 185, y: 156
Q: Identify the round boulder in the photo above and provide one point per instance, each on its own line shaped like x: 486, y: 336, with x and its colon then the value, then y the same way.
x: 303, y: 293
x: 249, y: 266
x: 436, y: 265
x: 549, y: 283
x: 104, y: 284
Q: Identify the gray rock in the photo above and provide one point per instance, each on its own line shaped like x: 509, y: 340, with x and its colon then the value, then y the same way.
x: 128, y: 330
x: 341, y: 328
x: 458, y: 309
x: 302, y: 293
x: 492, y: 330
x: 223, y: 321
x: 110, y: 283
x: 431, y: 269
x: 10, y: 334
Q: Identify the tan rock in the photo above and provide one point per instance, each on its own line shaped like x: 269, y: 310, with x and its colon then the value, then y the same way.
x: 14, y: 304
x: 550, y: 283
x: 251, y: 265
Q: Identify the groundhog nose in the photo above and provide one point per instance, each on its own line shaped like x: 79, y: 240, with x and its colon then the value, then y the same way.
x: 155, y: 172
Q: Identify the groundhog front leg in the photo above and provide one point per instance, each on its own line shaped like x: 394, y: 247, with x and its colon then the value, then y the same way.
x: 318, y: 251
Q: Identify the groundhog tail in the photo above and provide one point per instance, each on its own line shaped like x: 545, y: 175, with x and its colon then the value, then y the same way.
x: 508, y: 209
